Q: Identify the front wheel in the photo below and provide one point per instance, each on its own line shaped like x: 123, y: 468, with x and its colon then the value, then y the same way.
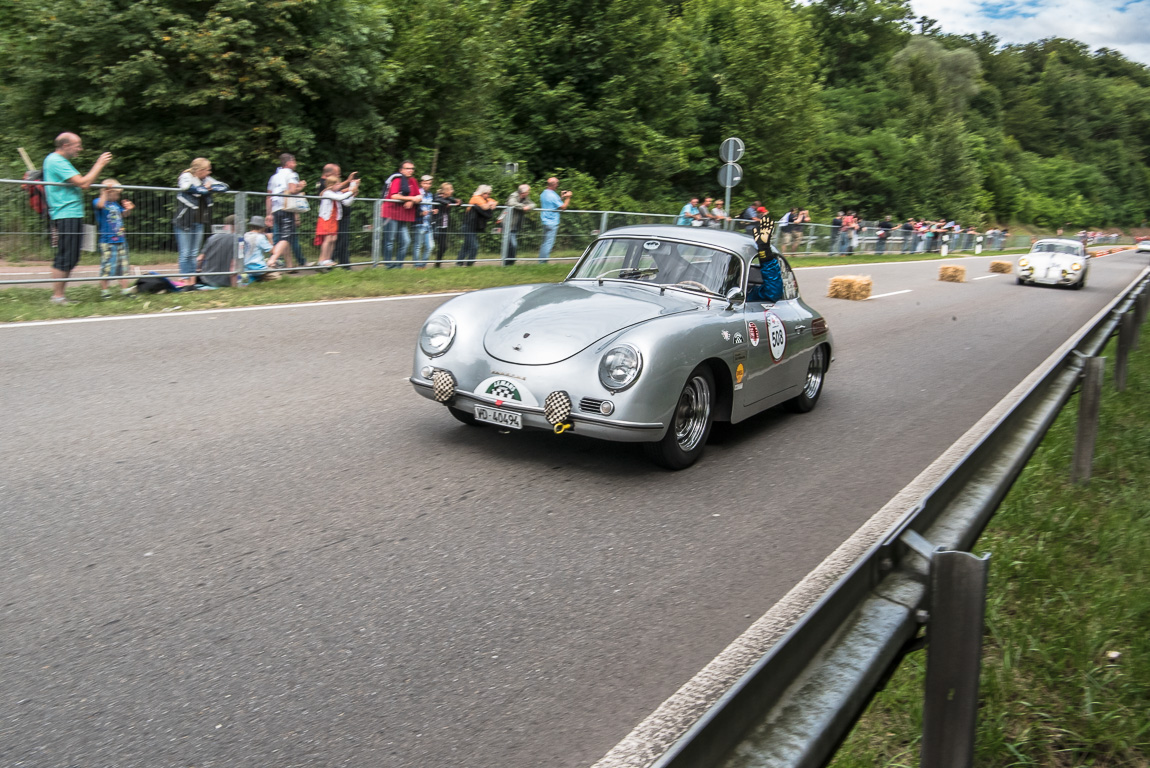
x: 813, y: 385
x: 690, y: 423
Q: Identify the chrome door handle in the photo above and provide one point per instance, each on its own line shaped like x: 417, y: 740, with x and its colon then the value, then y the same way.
x: 800, y: 327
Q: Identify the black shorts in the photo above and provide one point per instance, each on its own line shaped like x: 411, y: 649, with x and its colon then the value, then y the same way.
x: 285, y: 225
x: 69, y: 236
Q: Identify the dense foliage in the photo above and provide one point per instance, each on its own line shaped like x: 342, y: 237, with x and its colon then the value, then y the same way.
x: 842, y: 103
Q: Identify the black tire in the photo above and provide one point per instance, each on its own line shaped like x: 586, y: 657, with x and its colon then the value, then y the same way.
x: 690, y: 423
x: 464, y: 417
x: 1080, y: 284
x: 813, y: 385
x: 1020, y: 281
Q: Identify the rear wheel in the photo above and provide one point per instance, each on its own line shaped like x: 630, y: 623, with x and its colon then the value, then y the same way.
x: 690, y: 423
x: 812, y: 385
x: 466, y: 417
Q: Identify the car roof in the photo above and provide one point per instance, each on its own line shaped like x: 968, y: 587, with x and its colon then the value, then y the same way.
x: 1062, y: 240
x: 731, y: 241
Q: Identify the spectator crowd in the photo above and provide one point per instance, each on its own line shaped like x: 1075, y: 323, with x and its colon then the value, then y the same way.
x: 414, y: 217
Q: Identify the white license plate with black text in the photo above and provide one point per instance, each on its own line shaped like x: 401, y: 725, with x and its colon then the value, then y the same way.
x: 508, y: 419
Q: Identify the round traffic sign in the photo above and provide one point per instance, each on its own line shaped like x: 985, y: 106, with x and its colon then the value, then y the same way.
x: 730, y: 175
x: 731, y: 150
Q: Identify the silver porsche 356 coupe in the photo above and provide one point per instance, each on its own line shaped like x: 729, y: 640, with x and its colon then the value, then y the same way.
x: 649, y: 339
x: 1054, y: 261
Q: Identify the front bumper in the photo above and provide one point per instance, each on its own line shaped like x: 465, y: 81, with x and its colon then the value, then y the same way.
x: 591, y: 425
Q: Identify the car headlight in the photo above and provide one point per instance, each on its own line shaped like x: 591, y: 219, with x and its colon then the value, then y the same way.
x: 437, y: 334
x: 1024, y: 262
x: 1076, y: 266
x: 619, y: 367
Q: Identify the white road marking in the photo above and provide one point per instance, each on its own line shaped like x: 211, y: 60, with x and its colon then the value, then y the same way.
x: 170, y: 313
x: 892, y: 293
x: 987, y: 277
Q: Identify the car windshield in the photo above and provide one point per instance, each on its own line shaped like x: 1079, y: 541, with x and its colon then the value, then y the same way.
x: 1056, y: 248
x: 661, y: 262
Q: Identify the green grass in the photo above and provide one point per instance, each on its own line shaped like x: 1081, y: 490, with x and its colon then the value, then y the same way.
x: 1069, y: 586
x: 23, y: 304
x: 883, y: 258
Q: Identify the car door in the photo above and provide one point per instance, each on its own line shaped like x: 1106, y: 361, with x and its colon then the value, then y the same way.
x: 774, y: 340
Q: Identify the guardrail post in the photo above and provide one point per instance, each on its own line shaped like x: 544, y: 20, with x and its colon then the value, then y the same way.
x: 1125, y: 342
x: 1089, y: 402
x: 504, y: 234
x: 376, y: 232
x: 1141, y: 305
x: 241, y: 214
x: 954, y: 658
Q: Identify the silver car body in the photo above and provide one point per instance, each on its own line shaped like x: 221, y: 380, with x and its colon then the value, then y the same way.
x: 1054, y: 261
x: 513, y: 346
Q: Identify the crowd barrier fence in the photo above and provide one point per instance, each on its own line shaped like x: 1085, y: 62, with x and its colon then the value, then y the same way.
x: 26, y: 235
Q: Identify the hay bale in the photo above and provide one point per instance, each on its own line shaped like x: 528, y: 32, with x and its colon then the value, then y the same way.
x: 950, y: 273
x: 1004, y: 267
x: 851, y: 287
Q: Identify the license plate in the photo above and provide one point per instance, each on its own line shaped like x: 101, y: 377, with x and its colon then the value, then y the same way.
x: 508, y: 419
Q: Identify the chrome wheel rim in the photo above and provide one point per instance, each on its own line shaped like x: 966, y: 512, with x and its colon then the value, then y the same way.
x: 692, y: 413
x: 814, y: 374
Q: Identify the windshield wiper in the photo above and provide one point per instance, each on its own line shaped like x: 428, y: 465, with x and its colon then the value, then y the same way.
x: 631, y: 274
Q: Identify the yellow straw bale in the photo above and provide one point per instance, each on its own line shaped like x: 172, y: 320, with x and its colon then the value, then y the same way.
x: 852, y: 287
x: 1005, y: 267
x: 950, y: 273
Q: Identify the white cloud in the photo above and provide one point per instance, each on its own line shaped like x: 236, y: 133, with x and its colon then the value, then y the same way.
x: 1123, y: 25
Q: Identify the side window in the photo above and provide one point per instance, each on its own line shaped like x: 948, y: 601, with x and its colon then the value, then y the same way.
x: 790, y: 282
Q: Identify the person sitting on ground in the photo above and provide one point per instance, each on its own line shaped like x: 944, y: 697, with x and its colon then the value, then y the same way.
x: 218, y: 256
x: 771, y: 289
x: 257, y: 248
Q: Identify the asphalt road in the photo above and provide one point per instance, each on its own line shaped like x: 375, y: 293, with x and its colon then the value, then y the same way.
x: 240, y: 539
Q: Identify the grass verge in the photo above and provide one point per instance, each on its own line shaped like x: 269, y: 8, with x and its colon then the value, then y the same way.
x: 23, y: 304
x: 1066, y: 657
x: 18, y: 304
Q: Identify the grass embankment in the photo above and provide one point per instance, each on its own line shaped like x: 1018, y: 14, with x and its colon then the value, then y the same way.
x: 24, y: 304
x: 1066, y: 657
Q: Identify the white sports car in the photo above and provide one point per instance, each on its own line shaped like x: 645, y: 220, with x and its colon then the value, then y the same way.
x: 1054, y: 261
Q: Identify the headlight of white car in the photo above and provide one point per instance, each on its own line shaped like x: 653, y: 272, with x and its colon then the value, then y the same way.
x: 1076, y: 266
x: 619, y: 367
x: 1024, y: 262
x: 437, y: 334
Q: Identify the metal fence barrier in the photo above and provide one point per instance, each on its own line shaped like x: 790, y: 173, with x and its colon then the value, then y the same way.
x: 26, y: 235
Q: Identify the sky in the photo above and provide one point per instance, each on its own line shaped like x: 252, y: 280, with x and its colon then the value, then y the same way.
x: 1123, y: 25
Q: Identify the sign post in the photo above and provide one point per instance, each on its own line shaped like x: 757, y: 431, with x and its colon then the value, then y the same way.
x: 730, y: 152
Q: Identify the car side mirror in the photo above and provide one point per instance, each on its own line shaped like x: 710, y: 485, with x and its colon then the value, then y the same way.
x: 735, y: 297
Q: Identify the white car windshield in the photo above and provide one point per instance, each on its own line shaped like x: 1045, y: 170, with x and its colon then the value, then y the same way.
x: 662, y: 262
x: 1073, y: 250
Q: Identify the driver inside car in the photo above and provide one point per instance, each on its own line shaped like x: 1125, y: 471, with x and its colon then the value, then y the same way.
x: 771, y: 289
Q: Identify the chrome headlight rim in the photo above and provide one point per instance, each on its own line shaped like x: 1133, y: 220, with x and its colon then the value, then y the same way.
x: 610, y: 384
x: 1076, y: 266
x: 426, y: 337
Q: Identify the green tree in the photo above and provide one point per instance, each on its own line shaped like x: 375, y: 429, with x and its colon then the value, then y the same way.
x: 159, y: 82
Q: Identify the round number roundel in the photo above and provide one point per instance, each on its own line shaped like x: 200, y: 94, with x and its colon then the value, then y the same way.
x: 776, y: 336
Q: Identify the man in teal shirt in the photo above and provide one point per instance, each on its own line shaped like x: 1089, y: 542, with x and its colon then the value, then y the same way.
x: 66, y: 205
x: 551, y: 202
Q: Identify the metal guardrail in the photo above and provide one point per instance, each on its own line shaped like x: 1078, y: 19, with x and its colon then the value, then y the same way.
x: 796, y: 704
x: 24, y: 234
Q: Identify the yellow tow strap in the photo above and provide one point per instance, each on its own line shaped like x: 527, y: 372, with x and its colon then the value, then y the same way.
x: 561, y: 428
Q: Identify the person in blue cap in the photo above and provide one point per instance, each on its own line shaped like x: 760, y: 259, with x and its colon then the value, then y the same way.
x: 771, y: 289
